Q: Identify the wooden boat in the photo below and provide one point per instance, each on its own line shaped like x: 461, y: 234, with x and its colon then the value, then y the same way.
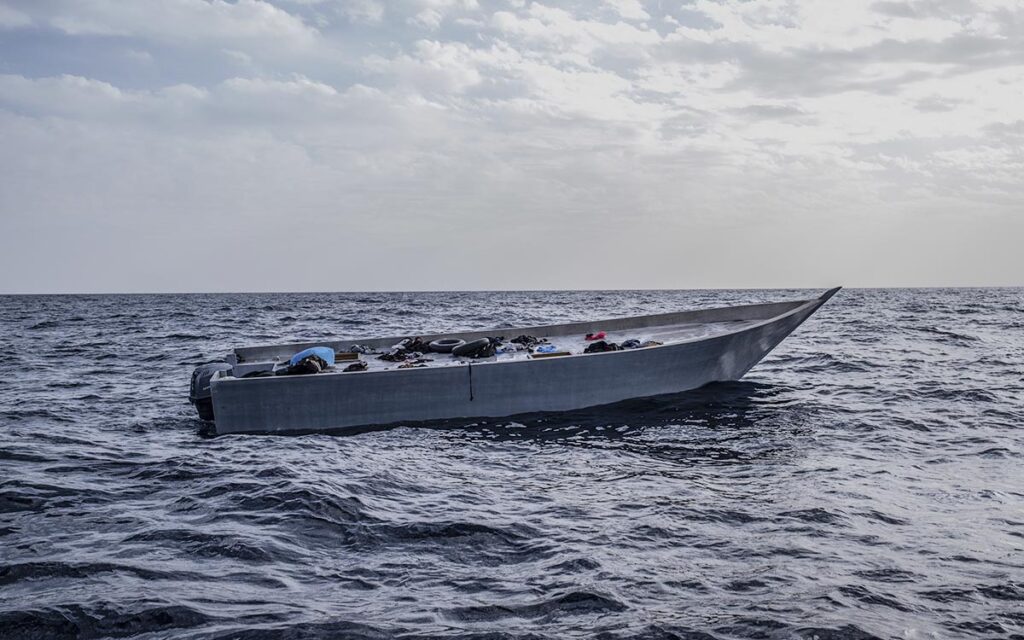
x: 684, y: 350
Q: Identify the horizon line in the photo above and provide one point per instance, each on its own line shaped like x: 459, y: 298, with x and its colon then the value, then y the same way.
x: 556, y: 290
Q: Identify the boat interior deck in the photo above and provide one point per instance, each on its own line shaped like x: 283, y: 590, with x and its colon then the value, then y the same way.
x: 370, y: 351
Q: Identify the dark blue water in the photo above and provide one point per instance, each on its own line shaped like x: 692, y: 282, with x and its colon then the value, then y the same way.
x: 866, y: 480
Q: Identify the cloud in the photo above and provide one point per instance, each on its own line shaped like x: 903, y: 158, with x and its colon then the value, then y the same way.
x: 433, y: 67
x: 547, y: 26
x: 771, y: 111
x: 420, y: 135
x: 369, y: 11
x: 430, y: 13
x: 629, y: 9
x: 11, y: 18
x: 936, y: 104
x: 181, y: 21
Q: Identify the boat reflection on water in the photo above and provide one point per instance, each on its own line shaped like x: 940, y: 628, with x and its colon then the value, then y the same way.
x: 721, y: 423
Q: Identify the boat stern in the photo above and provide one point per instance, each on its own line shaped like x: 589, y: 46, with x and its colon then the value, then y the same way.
x: 200, y: 393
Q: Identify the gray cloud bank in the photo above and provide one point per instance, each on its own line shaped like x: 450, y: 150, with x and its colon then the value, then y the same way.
x: 198, y: 145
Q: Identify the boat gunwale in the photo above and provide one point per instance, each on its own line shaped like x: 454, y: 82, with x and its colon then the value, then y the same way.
x: 802, y: 305
x: 304, y: 344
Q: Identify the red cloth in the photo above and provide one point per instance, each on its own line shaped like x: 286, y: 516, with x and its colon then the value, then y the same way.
x: 600, y: 335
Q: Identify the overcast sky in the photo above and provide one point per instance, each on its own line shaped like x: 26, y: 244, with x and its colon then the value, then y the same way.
x: 205, y: 145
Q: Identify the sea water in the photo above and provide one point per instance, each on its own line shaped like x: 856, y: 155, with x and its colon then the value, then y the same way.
x: 865, y: 480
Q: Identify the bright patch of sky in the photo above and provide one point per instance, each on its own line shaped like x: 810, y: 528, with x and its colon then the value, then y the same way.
x: 197, y: 145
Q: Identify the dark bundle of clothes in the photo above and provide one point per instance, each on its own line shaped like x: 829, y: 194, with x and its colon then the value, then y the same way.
x: 357, y: 366
x: 601, y: 346
x: 526, y: 343
x: 405, y: 350
x: 310, y: 364
x: 359, y: 348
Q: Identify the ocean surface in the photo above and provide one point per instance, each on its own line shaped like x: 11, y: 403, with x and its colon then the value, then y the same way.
x: 866, y: 480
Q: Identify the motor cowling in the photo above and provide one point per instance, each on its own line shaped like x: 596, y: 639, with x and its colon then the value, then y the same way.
x: 199, y: 393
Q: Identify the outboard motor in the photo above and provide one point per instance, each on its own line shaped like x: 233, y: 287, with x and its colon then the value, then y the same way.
x: 199, y: 391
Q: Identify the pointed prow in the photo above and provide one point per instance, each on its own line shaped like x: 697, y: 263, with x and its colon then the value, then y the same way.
x: 828, y: 294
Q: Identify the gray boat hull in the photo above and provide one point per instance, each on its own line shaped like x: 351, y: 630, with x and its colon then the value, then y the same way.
x: 297, y: 404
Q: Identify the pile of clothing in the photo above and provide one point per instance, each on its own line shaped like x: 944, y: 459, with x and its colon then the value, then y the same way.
x: 407, y: 349
x: 363, y: 349
x: 530, y: 344
x: 308, y: 361
x: 600, y: 346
